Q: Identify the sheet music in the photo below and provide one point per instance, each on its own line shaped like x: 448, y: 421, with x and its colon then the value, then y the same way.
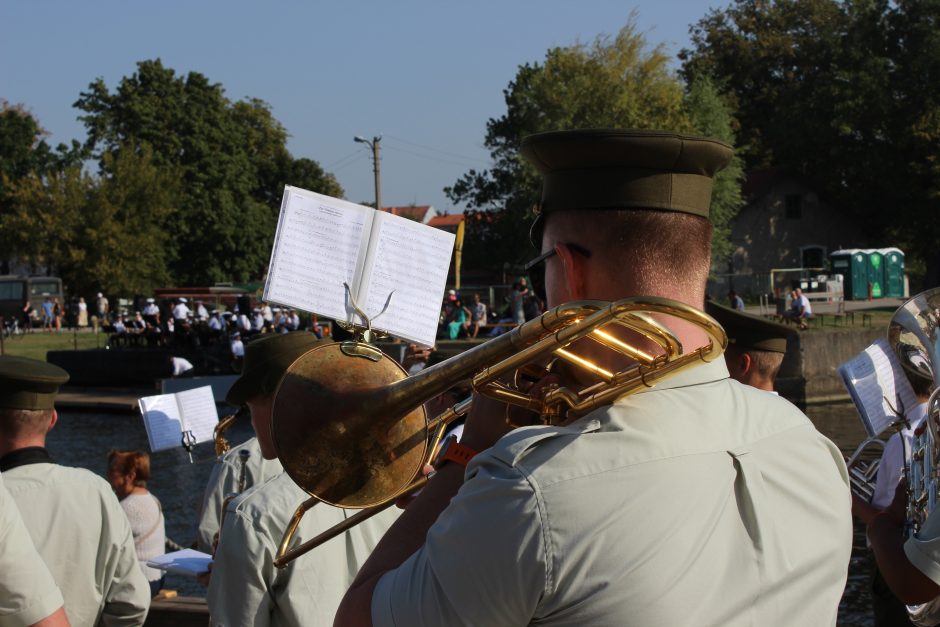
x: 187, y: 562
x: 198, y: 412
x: 318, y: 246
x: 412, y: 259
x: 875, y: 380
x: 162, y: 421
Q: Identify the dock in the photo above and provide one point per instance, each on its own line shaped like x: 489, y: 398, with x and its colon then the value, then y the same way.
x: 100, y: 399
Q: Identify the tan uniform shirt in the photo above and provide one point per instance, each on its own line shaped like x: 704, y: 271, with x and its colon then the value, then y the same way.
x: 701, y: 501
x: 84, y: 537
x: 28, y: 592
x: 223, y: 480
x: 246, y: 589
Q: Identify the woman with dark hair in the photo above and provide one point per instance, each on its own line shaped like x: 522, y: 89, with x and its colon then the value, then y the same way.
x: 128, y: 472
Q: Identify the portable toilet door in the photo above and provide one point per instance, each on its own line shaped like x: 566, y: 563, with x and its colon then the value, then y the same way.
x: 876, y: 273
x: 852, y: 264
x: 893, y: 260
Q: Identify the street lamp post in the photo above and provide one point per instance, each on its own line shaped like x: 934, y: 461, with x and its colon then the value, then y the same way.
x: 374, y: 145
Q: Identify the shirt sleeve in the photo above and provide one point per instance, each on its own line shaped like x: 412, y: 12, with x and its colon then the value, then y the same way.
x: 221, y: 481
x: 889, y: 472
x: 241, y: 575
x: 28, y: 593
x: 484, y: 561
x: 127, y: 594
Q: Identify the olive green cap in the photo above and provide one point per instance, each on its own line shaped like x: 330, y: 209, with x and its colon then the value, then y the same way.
x: 623, y: 169
x: 28, y: 383
x: 266, y: 360
x: 750, y: 332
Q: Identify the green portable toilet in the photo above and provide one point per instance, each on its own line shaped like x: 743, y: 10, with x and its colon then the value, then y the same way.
x: 876, y: 273
x: 893, y: 260
x: 852, y: 264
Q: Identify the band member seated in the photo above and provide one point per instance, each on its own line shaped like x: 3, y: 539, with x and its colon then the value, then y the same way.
x: 756, y: 347
x: 72, y: 515
x: 245, y: 588
x: 698, y: 501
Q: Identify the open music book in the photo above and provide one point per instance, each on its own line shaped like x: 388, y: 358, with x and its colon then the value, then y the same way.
x: 878, y: 386
x: 186, y: 562
x: 168, y: 416
x: 396, y: 268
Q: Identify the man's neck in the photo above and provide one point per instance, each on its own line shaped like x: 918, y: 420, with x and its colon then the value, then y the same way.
x: 15, y: 444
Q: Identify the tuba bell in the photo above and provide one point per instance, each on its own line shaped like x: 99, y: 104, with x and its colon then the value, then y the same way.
x: 914, y: 335
x: 350, y: 426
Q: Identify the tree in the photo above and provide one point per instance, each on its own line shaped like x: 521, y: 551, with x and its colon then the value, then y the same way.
x: 613, y: 82
x: 231, y: 159
x: 844, y: 93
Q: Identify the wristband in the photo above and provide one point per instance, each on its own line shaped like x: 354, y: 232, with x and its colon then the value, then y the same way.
x: 454, y: 451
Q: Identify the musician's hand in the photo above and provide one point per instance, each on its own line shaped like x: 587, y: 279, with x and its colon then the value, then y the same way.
x: 404, y: 501
x: 862, y: 509
x: 204, y: 579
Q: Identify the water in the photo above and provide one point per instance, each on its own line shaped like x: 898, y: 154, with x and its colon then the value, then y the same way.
x: 84, y: 439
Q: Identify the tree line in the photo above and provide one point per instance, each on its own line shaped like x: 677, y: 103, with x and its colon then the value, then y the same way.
x: 174, y: 184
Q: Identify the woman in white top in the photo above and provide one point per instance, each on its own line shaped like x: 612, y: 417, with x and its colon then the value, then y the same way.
x: 128, y: 472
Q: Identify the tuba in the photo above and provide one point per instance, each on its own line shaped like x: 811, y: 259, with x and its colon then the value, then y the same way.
x: 350, y: 426
x: 914, y: 335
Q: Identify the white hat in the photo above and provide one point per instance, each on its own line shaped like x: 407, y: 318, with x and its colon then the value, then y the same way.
x: 150, y: 300
x: 452, y: 292
x: 183, y: 299
x: 99, y: 294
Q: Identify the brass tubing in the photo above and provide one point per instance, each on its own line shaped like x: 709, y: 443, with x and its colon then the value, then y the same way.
x: 285, y: 557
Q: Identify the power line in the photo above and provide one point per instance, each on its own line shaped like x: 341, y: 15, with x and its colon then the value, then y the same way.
x: 431, y: 149
x: 349, y: 163
x: 429, y: 157
x: 355, y: 153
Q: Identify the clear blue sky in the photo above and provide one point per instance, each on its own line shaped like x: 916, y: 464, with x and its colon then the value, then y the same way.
x: 426, y: 75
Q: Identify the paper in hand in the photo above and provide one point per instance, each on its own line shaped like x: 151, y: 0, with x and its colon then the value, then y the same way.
x: 187, y: 562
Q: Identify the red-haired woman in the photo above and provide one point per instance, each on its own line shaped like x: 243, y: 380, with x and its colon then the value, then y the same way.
x: 128, y: 472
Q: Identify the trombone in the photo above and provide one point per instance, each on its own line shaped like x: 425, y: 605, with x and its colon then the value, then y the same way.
x: 369, y: 435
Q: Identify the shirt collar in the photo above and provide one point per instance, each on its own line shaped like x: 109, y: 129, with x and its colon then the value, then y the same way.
x: 702, y: 372
x: 25, y: 456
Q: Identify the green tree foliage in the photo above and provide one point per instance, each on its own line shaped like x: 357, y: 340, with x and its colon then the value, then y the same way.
x: 843, y: 92
x: 615, y: 82
x: 231, y: 160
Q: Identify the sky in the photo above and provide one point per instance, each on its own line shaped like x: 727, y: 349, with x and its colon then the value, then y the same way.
x: 424, y: 75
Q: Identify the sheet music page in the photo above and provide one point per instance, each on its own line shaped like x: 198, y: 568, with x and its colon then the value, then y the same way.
x: 186, y: 562
x: 198, y: 412
x: 876, y: 380
x: 320, y: 243
x: 411, y: 259
x: 162, y: 421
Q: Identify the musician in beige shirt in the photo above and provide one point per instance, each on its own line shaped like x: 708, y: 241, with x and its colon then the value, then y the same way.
x: 700, y: 501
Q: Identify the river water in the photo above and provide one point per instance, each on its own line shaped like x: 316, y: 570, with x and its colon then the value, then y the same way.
x: 84, y: 439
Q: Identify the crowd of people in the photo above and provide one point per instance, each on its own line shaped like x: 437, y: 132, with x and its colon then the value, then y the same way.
x: 705, y: 499
x: 462, y: 319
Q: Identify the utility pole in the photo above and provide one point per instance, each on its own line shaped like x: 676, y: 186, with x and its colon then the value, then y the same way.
x: 374, y: 145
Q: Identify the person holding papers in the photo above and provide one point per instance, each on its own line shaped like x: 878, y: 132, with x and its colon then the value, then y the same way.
x: 72, y: 516
x: 245, y: 588
x: 128, y: 472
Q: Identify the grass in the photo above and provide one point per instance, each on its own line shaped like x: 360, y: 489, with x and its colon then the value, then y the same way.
x: 35, y: 345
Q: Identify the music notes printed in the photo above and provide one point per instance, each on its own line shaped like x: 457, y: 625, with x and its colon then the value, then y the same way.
x: 878, y: 386
x: 322, y: 243
x: 168, y: 416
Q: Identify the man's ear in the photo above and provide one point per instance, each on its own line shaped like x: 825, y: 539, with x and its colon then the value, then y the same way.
x: 746, y: 363
x: 52, y: 421
x: 575, y: 270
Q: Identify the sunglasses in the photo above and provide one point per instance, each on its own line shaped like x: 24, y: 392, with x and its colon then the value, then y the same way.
x: 535, y: 269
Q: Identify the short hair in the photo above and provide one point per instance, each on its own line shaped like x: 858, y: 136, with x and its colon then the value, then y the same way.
x: 665, y: 247
x: 124, y: 462
x: 766, y: 363
x: 16, y: 423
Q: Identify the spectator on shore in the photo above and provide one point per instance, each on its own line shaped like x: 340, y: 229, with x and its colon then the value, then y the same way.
x: 737, y: 303
x: 47, y: 315
x: 57, y: 314
x: 82, y: 312
x: 128, y: 472
x: 103, y: 308
x: 517, y: 300
x: 181, y: 366
x: 800, y: 308
x: 477, y: 315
